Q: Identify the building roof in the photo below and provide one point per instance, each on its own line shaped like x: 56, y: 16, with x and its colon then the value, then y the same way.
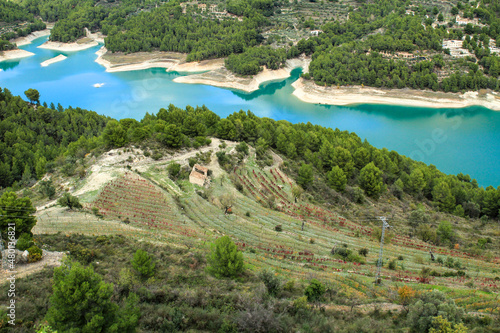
x: 197, y: 175
x: 200, y: 168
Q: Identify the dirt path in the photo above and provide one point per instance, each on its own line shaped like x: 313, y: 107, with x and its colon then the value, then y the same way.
x: 49, y: 259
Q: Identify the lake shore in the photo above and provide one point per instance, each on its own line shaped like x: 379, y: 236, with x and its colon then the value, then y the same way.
x: 81, y: 44
x: 307, y: 91
x: 53, y: 60
x: 171, y: 61
x: 14, y: 54
x: 31, y: 37
x: 222, y: 77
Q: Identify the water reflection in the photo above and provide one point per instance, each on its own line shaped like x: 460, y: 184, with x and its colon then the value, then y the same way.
x: 9, y: 64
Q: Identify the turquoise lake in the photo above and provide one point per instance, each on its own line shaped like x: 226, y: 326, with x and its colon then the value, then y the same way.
x: 455, y: 140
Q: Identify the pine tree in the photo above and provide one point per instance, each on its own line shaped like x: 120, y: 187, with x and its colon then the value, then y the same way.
x: 81, y: 302
x: 225, y: 260
x: 143, y: 264
x: 306, y: 175
x: 18, y: 211
x: 370, y: 180
x: 337, y: 179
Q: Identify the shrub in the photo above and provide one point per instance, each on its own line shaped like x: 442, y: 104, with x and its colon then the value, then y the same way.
x: 440, y: 260
x: 400, y: 257
x: 35, y: 254
x: 156, y: 156
x: 24, y: 242
x: 392, y: 264
x: 225, y: 260
x: 242, y: 148
x: 247, y: 214
x: 450, y: 262
x: 143, y: 264
x: 315, y: 291
x: 363, y: 252
x: 355, y: 258
x: 278, y: 228
x: 300, y: 304
x: 342, y: 252
x: 289, y: 285
x: 67, y: 200
x: 429, y: 305
x: 406, y: 295
x: 424, y: 275
x: 174, y: 169
x: 312, y: 241
x: 271, y: 281
x: 441, y: 325
x: 82, y: 254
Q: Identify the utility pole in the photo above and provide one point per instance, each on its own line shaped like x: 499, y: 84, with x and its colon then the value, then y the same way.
x: 379, y: 263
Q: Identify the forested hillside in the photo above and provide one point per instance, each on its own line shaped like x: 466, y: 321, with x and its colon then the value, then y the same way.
x: 34, y: 139
x: 390, y: 43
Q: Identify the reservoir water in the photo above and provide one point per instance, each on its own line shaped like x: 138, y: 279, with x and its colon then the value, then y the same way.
x: 455, y: 140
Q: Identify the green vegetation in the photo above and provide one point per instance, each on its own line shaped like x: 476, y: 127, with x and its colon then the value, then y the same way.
x: 225, y: 259
x: 315, y: 151
x: 70, y: 201
x: 18, y: 211
x: 81, y: 302
x: 143, y: 264
x: 35, y: 141
x: 392, y: 43
x: 165, y: 256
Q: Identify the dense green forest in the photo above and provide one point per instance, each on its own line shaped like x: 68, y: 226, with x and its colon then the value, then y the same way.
x: 362, y: 50
x: 36, y: 139
x: 31, y: 144
x: 167, y: 29
x: 24, y: 23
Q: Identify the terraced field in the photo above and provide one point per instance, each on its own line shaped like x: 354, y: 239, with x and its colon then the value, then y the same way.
x: 159, y: 210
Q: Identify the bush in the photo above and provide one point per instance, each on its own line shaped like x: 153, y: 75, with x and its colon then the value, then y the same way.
x: 363, y: 252
x: 173, y: 169
x: 450, y: 262
x: 35, y: 254
x: 242, y: 148
x: 300, y: 304
x: 278, y: 228
x: 24, y: 242
x: 143, y: 264
x: 355, y: 258
x: 271, y: 281
x: 225, y: 260
x: 67, y: 200
x: 429, y: 305
x: 392, y: 264
x: 400, y: 257
x: 82, y: 254
x: 315, y: 291
x: 342, y: 252
x: 289, y: 285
